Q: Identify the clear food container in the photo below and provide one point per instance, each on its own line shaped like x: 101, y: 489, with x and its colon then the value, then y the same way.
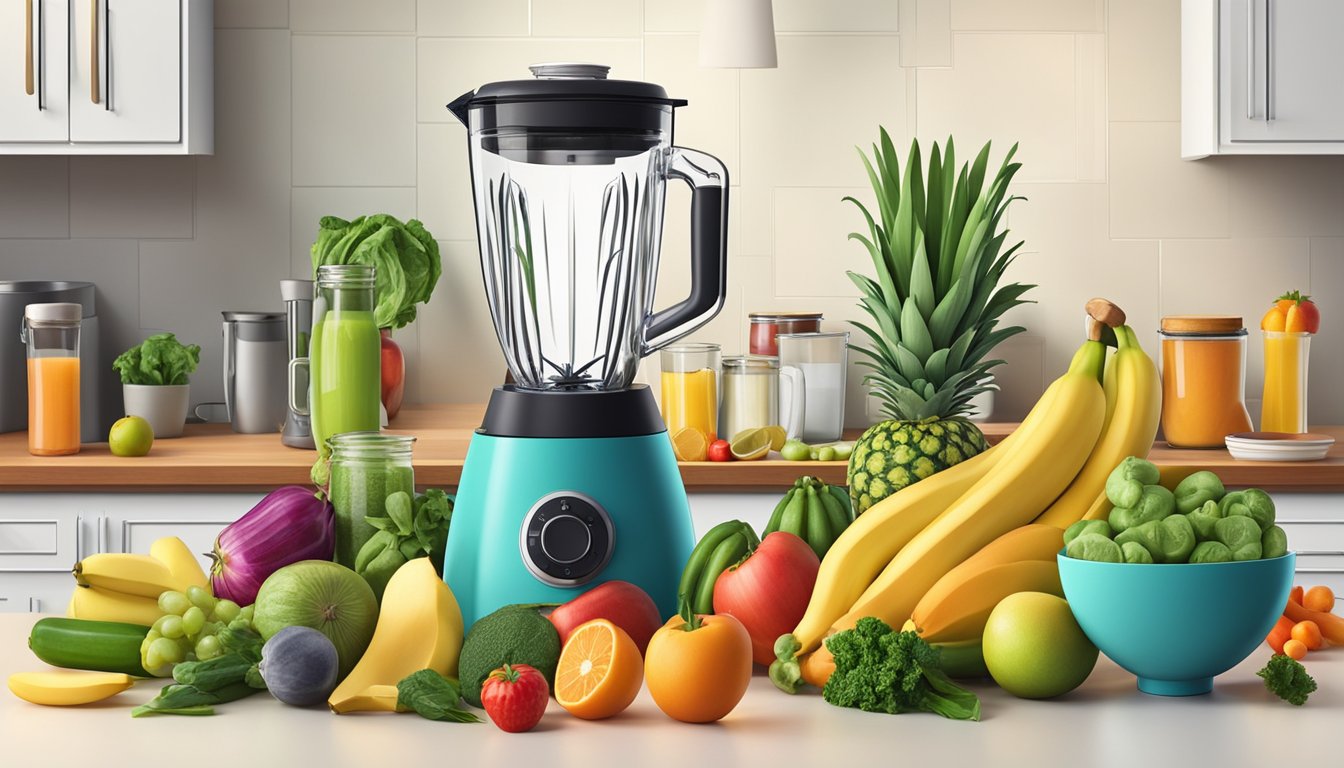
x: 690, y: 387
x: 766, y: 326
x: 1203, y: 380
x: 366, y: 467
x: 51, y: 333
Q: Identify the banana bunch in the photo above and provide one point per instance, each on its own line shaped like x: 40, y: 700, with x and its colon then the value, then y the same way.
x: 126, y: 588
x: 814, y: 512
x: 903, y: 559
x: 722, y: 546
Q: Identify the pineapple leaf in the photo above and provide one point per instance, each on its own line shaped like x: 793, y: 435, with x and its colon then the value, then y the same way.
x: 921, y: 282
x: 936, y: 366
x: 884, y: 203
x: 977, y: 178
x: 914, y: 333
x: 910, y: 366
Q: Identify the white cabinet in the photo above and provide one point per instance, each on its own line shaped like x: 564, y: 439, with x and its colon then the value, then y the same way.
x: 113, y: 77
x: 1261, y: 77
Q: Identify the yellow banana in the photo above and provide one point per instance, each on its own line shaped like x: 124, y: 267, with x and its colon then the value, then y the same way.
x: 375, y: 698
x: 68, y: 687
x: 1056, y: 440
x: 1136, y: 391
x: 139, y: 575
x: 950, y: 597
x: 100, y: 605
x: 869, y: 543
x: 182, y: 564
x: 963, y: 615
x: 419, y: 627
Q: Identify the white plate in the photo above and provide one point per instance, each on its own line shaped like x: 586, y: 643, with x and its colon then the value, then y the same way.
x: 1275, y: 446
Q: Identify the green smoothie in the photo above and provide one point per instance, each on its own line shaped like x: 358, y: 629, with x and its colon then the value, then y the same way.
x: 346, y: 382
x: 359, y: 489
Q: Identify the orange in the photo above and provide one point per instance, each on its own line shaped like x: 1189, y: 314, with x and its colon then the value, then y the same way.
x: 698, y: 675
x: 690, y: 444
x: 600, y: 671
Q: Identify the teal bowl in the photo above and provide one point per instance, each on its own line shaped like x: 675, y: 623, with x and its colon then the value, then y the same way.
x: 1177, y: 626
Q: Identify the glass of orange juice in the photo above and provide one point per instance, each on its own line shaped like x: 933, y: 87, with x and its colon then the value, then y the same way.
x: 690, y: 394
x: 1284, y: 407
x: 51, y: 332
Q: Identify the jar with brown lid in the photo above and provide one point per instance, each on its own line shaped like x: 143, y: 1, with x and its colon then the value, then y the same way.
x: 765, y: 326
x: 1203, y: 380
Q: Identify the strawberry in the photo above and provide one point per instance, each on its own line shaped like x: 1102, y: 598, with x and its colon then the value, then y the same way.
x: 515, y: 697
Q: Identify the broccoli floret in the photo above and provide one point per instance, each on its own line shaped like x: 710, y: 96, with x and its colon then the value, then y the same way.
x: 1286, y: 678
x: 880, y: 670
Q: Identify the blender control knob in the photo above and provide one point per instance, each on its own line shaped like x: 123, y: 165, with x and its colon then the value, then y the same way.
x: 566, y: 539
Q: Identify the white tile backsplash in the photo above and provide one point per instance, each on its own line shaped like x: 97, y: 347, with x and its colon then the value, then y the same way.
x: 337, y: 107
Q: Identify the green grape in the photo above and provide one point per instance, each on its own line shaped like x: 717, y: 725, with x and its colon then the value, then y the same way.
x: 192, y: 621
x: 150, y: 658
x: 165, y: 651
x: 226, y: 611
x: 208, y: 647
x: 171, y: 627
x: 210, y: 629
x: 157, y: 627
x: 201, y: 599
x: 240, y: 623
x: 152, y: 636
x: 826, y: 453
x: 246, y: 613
x: 174, y: 602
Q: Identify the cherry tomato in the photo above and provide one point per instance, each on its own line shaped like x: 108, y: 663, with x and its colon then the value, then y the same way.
x: 720, y: 450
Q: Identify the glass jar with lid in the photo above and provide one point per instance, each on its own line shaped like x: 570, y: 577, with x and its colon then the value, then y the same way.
x: 1203, y: 380
x: 765, y: 326
x: 51, y: 334
x: 366, y: 468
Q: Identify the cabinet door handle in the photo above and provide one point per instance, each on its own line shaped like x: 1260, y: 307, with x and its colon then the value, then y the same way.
x: 1250, y: 59
x: 107, y: 54
x: 28, y: 47
x: 79, y: 537
x: 93, y: 51
x: 1269, y: 62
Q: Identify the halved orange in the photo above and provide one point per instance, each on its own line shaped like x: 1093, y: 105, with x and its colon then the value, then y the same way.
x: 600, y: 671
x: 690, y: 444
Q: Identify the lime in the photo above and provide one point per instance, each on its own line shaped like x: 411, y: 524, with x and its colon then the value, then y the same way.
x: 130, y: 436
x: 690, y: 444
x: 794, y: 450
x: 751, y: 444
x: 1034, y: 647
x: 777, y: 436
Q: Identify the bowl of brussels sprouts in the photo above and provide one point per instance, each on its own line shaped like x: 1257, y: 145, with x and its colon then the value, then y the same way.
x: 1177, y: 586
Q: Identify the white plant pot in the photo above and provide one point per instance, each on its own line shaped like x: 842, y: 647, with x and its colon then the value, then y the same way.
x: 163, y: 406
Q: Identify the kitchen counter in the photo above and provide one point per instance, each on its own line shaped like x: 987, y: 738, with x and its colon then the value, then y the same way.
x: 211, y: 457
x: 1106, y: 722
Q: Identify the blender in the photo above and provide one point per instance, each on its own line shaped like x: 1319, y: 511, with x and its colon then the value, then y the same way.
x: 571, y: 481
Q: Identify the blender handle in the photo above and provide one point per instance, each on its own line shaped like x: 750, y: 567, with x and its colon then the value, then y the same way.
x: 708, y: 179
x: 294, y: 405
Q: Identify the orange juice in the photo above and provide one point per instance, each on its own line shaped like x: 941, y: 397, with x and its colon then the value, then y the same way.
x: 1284, y: 408
x: 691, y: 399
x: 53, y: 405
x: 1203, y: 380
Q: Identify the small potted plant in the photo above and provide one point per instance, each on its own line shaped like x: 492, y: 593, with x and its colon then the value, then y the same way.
x: 154, y: 381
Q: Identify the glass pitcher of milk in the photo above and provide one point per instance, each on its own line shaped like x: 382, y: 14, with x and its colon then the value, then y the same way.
x: 821, y: 359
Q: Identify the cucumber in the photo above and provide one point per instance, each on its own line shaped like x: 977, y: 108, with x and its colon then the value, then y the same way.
x: 99, y: 646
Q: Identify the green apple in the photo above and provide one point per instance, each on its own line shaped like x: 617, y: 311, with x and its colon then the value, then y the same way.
x: 130, y: 436
x: 1034, y: 647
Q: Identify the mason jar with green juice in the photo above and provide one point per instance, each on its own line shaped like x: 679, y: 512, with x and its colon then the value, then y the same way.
x: 366, y: 468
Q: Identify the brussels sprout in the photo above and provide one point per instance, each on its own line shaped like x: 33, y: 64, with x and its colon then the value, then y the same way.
x: 1253, y: 503
x: 1211, y: 552
x: 1202, y: 519
x: 1178, y: 539
x: 1134, y: 552
x: 1241, y: 535
x: 1148, y: 535
x: 1126, y: 482
x: 1086, y: 526
x: 1193, y: 491
x: 1155, y: 503
x: 1274, y: 543
x: 1094, y: 546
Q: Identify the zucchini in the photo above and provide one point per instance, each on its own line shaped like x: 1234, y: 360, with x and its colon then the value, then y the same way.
x: 100, y: 646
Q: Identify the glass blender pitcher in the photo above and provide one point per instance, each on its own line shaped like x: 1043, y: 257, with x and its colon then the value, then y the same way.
x: 571, y: 480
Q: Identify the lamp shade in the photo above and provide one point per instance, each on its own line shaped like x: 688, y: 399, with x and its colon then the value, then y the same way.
x: 738, y: 34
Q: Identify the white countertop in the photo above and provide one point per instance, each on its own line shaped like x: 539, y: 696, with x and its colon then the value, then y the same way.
x: 1106, y: 722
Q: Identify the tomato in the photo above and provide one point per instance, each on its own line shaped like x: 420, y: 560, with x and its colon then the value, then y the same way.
x: 698, y: 675
x: 620, y: 602
x: 720, y: 450
x: 769, y: 590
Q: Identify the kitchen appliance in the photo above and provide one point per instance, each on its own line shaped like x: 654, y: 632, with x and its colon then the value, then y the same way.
x: 298, y: 298
x: 51, y: 333
x: 571, y: 480
x: 96, y: 407
x: 821, y: 358
x: 256, y: 359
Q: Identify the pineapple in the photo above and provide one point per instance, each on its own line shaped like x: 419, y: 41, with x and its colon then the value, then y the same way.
x: 938, y: 251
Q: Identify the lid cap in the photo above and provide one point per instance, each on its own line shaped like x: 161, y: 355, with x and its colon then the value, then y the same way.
x: 1202, y: 324
x: 57, y: 312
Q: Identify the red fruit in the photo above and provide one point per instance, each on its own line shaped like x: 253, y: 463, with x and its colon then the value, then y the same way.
x: 515, y: 697
x: 720, y: 450
x: 769, y: 590
x: 620, y: 602
x: 1301, y: 313
x: 393, y: 364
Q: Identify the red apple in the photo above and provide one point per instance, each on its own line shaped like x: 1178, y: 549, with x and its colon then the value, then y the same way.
x: 394, y: 374
x: 769, y: 590
x: 620, y: 602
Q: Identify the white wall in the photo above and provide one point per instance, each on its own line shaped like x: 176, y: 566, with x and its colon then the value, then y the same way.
x: 328, y: 106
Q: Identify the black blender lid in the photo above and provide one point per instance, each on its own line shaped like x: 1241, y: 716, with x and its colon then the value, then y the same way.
x: 569, y: 82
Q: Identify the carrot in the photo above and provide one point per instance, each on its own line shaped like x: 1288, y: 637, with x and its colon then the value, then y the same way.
x: 1331, y: 626
x: 1308, y: 634
x: 1294, y: 649
x: 817, y: 666
x: 1281, y: 633
x: 1319, y: 599
x: 1296, y: 594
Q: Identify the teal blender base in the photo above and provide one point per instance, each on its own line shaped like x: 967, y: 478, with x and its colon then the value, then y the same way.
x: 634, y: 479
